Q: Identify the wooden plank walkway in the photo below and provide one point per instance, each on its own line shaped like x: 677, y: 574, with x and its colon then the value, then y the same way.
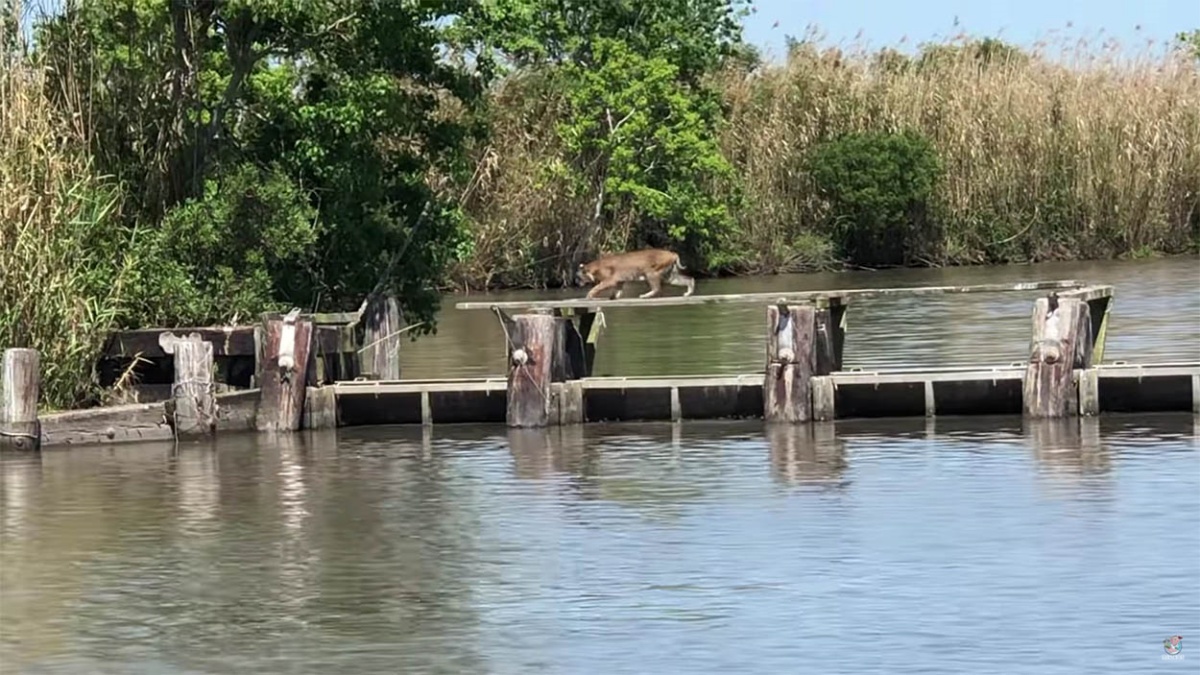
x: 782, y: 296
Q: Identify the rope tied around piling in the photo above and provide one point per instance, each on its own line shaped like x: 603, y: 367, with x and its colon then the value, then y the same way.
x: 518, y: 356
x: 171, y: 412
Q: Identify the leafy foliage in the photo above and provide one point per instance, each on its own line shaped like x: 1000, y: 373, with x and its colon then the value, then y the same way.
x: 224, y: 253
x: 639, y: 134
x: 297, y: 142
x: 695, y: 35
x: 878, y: 185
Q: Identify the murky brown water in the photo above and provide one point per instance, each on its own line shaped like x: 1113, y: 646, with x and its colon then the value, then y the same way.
x: 883, y: 546
x: 1155, y: 317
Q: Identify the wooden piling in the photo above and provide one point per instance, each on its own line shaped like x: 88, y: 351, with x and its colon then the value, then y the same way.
x: 787, y: 393
x: 192, y: 408
x: 283, y: 371
x: 1062, y: 343
x: 579, y: 341
x: 569, y: 402
x: 534, y: 345
x: 320, y: 408
x: 824, y: 399
x: 382, y: 323
x: 20, y: 385
x: 830, y: 338
x: 1089, y: 392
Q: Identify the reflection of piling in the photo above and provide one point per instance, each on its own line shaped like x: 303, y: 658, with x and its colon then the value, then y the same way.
x: 20, y: 382
x: 532, y: 451
x: 18, y: 486
x: 1070, y: 444
x: 540, y: 452
x: 806, y: 454
x: 199, y: 487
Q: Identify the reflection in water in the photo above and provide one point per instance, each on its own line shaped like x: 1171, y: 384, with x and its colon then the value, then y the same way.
x: 642, y: 547
x: 1068, y: 446
x: 807, y: 454
x: 199, y: 490
x: 18, y: 479
x: 534, y: 452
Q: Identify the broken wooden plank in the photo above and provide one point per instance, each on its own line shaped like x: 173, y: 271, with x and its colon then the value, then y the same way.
x: 113, y: 424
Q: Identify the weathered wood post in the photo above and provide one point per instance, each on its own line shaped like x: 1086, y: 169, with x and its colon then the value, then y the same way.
x: 320, y: 408
x: 536, y: 357
x: 20, y: 387
x: 579, y: 341
x: 1062, y: 342
x: 192, y: 408
x: 382, y: 323
x: 790, y: 360
x: 830, y: 338
x: 283, y: 371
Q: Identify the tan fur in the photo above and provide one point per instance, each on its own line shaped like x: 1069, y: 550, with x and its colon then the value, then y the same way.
x: 652, y: 265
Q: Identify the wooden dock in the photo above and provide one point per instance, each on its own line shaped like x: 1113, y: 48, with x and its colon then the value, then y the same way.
x: 307, y: 372
x: 1163, y: 387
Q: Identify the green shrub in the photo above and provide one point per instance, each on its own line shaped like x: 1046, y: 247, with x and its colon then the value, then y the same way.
x: 877, y: 186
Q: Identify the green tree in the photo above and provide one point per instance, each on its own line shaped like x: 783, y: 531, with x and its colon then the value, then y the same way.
x: 640, y: 131
x: 285, y: 151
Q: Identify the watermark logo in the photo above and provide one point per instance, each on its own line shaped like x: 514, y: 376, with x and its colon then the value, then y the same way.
x: 1173, y: 646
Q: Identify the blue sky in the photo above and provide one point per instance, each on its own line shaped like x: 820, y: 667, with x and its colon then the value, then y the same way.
x: 886, y: 22
x: 1023, y: 22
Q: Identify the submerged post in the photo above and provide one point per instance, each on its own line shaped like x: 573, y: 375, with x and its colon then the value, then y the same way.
x: 535, y: 351
x: 192, y: 408
x: 787, y: 383
x: 1062, y: 342
x: 20, y: 384
x: 283, y: 371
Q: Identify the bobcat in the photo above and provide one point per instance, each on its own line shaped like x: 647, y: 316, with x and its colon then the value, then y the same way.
x: 650, y: 265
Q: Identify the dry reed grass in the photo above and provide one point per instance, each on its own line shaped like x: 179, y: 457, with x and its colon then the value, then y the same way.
x: 63, y: 263
x: 1093, y: 155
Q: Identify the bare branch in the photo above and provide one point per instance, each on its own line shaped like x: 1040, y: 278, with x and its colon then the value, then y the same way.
x: 623, y: 120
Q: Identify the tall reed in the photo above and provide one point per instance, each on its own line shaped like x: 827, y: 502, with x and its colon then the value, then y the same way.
x: 1089, y: 154
x: 1092, y: 158
x: 64, y: 263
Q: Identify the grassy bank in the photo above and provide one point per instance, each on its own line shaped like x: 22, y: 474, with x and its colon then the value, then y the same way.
x: 1079, y: 157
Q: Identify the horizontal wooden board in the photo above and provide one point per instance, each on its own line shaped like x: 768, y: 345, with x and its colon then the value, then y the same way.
x: 768, y: 298
x: 226, y: 341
